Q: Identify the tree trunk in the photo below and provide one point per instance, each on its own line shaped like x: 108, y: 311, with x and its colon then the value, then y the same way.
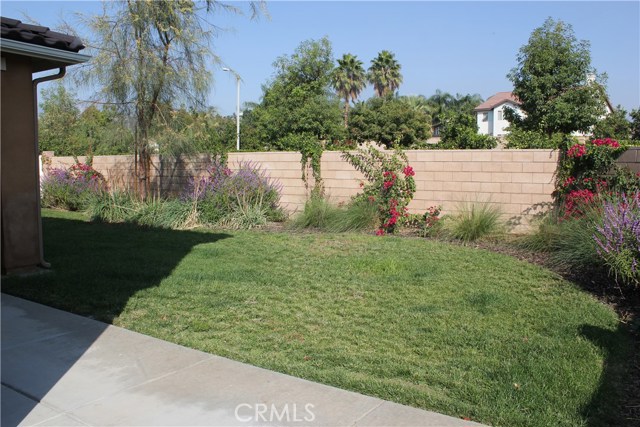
x: 346, y: 113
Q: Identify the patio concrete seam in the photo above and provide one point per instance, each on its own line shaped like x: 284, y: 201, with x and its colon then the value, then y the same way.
x: 61, y: 414
x: 133, y: 386
x: 39, y: 402
x: 355, y: 422
x: 24, y: 393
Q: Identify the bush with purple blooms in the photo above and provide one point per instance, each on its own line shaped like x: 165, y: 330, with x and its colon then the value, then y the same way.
x: 71, y: 188
x: 243, y: 198
x: 618, y: 239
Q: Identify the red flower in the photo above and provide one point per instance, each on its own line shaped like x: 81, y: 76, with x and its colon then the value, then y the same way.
x: 380, y: 232
x: 606, y: 142
x: 578, y: 150
x: 569, y: 181
x: 408, y: 171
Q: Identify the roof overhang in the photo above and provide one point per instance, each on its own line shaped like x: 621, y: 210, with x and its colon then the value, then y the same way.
x: 45, y: 58
x: 493, y: 107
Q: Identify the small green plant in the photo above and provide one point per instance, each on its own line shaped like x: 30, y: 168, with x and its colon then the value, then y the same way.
x: 355, y: 216
x: 115, y: 206
x: 474, y: 221
x: 318, y: 213
x: 569, y: 242
x: 427, y: 224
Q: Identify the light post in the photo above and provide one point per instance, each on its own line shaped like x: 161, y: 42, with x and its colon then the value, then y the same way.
x: 237, y: 106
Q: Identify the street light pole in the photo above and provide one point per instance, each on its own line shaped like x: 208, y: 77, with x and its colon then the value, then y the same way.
x: 237, y: 107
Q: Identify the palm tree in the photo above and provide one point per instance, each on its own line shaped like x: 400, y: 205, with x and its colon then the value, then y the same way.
x: 384, y: 74
x: 348, y: 79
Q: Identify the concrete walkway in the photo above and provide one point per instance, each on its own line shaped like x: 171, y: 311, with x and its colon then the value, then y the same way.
x: 63, y: 369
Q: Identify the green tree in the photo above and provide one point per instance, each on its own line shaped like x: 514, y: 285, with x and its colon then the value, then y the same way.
x: 103, y: 132
x: 460, y: 131
x: 558, y: 88
x: 440, y: 102
x: 151, y: 53
x: 298, y: 105
x: 614, y: 125
x: 384, y: 74
x: 348, y: 79
x: 635, y: 124
x: 57, y: 122
x: 389, y: 121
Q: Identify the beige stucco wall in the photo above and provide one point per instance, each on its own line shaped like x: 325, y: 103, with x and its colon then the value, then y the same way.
x: 20, y: 230
x: 519, y: 181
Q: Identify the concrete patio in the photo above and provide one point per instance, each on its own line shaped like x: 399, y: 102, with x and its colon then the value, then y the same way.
x: 63, y: 369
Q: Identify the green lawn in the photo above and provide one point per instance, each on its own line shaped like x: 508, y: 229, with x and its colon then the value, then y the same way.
x: 457, y: 330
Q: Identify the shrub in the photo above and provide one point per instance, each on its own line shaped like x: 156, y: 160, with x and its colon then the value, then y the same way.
x: 618, y: 238
x: 524, y: 139
x: 427, y: 224
x: 123, y: 206
x: 71, y: 188
x: 460, y: 131
x: 224, y: 194
x: 474, y: 221
x: 390, y: 183
x: 317, y: 213
x: 115, y: 206
x: 586, y: 170
x: 569, y: 242
x: 358, y: 215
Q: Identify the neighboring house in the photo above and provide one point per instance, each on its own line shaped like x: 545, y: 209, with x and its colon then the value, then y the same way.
x: 490, y: 114
x: 25, y: 50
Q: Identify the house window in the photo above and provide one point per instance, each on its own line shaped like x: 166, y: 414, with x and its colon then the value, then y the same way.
x: 500, y: 115
x: 485, y: 117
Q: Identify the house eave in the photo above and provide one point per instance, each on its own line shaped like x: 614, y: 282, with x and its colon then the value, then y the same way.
x: 41, y: 52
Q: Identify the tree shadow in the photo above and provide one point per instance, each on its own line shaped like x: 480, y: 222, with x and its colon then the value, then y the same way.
x: 97, y: 268
x: 606, y: 407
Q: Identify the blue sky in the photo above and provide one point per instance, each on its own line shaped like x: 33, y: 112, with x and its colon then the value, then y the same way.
x: 458, y: 47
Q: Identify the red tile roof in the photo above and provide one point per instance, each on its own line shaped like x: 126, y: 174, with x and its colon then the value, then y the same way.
x: 35, y: 34
x: 497, y: 99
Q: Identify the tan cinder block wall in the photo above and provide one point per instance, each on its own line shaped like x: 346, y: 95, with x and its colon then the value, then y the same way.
x: 519, y: 181
x: 631, y: 159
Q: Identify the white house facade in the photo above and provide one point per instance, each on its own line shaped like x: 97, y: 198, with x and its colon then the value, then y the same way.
x: 490, y: 114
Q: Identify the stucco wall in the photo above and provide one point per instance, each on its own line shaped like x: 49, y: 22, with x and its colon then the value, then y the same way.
x: 20, y: 230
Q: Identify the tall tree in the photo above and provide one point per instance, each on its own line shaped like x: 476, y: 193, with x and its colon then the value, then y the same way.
x: 558, y: 88
x: 440, y: 103
x: 384, y: 74
x: 298, y: 106
x: 58, y: 121
x: 348, y: 79
x: 150, y: 53
x: 614, y: 125
x: 390, y: 121
x: 635, y: 124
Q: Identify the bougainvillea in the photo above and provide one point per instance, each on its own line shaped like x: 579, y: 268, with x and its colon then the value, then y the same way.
x: 390, y: 183
x: 587, y: 170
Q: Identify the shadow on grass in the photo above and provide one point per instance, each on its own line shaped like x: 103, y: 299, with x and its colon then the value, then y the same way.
x: 607, y: 402
x: 97, y: 268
